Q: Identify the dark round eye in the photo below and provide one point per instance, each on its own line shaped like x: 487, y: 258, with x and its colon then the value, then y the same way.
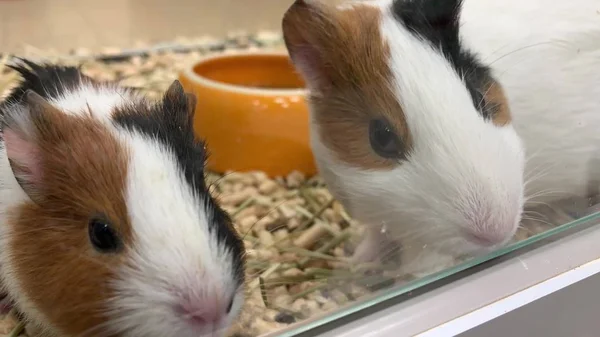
x: 103, y: 236
x: 384, y: 140
x: 230, y: 305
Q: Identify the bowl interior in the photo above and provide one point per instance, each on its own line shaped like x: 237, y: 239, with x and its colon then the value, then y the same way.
x: 260, y: 71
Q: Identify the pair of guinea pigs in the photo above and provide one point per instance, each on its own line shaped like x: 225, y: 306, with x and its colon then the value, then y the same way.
x: 435, y: 123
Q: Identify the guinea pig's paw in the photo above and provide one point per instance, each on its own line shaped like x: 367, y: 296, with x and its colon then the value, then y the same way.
x: 372, y: 247
x: 366, y: 251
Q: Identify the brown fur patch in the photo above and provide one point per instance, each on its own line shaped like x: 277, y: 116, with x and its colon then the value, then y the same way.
x: 84, y: 170
x: 353, y: 77
x: 495, y: 95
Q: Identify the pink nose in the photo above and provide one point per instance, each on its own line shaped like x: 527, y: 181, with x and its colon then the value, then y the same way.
x: 486, y: 238
x: 200, y: 314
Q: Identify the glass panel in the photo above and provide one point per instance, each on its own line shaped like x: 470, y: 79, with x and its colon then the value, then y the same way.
x: 299, y: 239
x: 395, y: 291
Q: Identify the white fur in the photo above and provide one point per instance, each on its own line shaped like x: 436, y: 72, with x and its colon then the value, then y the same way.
x: 547, y: 61
x: 101, y: 102
x: 463, y: 168
x: 351, y: 4
x: 174, y: 254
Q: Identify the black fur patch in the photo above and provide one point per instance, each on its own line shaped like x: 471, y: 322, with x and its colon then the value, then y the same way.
x: 437, y: 22
x: 46, y: 80
x: 170, y: 123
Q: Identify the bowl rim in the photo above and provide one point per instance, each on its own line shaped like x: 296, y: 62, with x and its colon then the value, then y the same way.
x: 192, y: 75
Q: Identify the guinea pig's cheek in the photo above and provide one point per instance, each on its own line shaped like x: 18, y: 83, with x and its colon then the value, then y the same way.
x: 513, y: 142
x: 372, y: 191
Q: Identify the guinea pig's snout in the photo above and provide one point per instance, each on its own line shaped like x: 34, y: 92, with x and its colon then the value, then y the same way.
x: 203, y: 312
x: 490, y: 222
x: 490, y: 233
x: 486, y: 238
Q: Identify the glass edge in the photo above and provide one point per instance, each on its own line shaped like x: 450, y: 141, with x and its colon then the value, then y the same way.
x: 415, y: 284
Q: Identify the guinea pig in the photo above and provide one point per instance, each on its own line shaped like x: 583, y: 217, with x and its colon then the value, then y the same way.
x: 437, y: 122
x: 107, y: 226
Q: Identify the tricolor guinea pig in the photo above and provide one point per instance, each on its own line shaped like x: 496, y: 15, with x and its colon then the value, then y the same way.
x: 440, y: 121
x: 107, y: 227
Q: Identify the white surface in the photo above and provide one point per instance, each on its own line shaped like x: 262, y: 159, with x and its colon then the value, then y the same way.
x: 513, y: 302
x: 569, y: 312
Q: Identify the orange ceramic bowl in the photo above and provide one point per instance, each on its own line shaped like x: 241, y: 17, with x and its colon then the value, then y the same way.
x: 252, y: 113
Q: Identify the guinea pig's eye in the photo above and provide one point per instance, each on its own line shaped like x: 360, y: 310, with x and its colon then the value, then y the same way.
x: 384, y: 140
x: 103, y: 236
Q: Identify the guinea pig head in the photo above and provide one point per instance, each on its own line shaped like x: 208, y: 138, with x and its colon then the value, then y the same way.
x: 119, y: 235
x: 408, y: 128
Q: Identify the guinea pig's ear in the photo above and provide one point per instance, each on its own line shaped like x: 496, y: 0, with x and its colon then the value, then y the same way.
x: 442, y: 15
x: 175, y: 91
x: 307, y: 27
x: 191, y: 104
x: 22, y: 133
x: 178, y: 101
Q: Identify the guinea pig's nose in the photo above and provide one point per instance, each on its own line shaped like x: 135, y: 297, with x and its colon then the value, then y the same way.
x: 485, y: 238
x: 199, y: 314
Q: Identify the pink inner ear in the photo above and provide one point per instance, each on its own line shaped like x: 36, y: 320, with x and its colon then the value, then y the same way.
x: 24, y: 154
x: 308, y: 61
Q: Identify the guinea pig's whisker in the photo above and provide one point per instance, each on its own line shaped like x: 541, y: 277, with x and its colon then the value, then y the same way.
x: 484, y: 61
x: 535, y: 177
x: 544, y: 193
x: 221, y: 179
x: 539, y: 203
x: 542, y: 221
x: 530, y: 211
x: 274, y: 208
x: 483, y: 101
x: 539, y: 152
x: 528, y: 230
x: 534, y: 155
x: 539, y: 194
x: 539, y: 214
x: 536, y: 173
x: 520, y: 49
x: 496, y: 51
